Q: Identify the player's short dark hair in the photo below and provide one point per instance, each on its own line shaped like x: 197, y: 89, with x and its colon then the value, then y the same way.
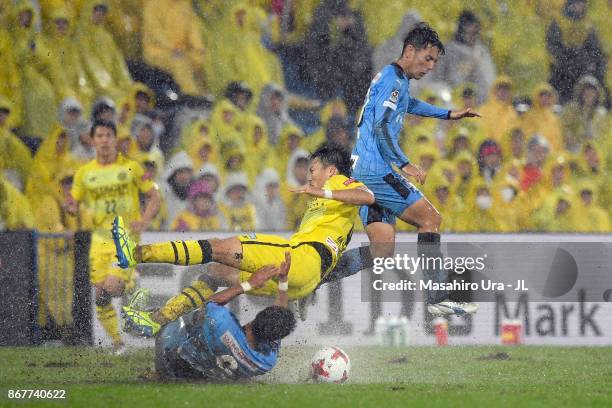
x: 273, y: 323
x: 103, y: 123
x: 421, y: 36
x: 335, y: 155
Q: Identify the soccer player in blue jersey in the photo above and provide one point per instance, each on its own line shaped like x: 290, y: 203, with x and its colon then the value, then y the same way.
x: 210, y: 343
x: 381, y: 165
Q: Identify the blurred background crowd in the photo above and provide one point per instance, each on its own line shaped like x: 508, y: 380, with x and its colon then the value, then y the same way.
x: 222, y: 101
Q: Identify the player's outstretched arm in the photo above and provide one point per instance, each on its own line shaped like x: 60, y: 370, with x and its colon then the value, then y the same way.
x: 355, y: 196
x: 282, y: 299
x: 256, y: 281
x: 465, y: 113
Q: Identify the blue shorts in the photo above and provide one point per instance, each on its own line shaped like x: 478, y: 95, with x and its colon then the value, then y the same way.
x: 393, y: 195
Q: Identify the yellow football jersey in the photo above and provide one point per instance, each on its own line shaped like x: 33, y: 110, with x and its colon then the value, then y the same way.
x: 110, y: 190
x: 329, y: 222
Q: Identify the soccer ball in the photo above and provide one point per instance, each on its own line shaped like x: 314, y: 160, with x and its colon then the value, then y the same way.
x: 331, y: 365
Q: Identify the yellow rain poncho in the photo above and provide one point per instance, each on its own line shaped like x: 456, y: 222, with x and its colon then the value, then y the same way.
x: 381, y: 18
x: 172, y: 41
x: 498, y: 117
x: 541, y: 119
x: 290, y: 140
x: 476, y: 219
x: 466, y: 170
x: 333, y: 108
x: 64, y: 49
x: 15, y: 210
x: 259, y: 155
x: 224, y: 121
x: 10, y: 79
x: 555, y: 216
x: 449, y: 206
x: 125, y: 23
x: 198, y: 156
x: 54, y: 154
x: 42, y: 84
x: 592, y: 217
x: 101, y: 57
x: 246, y: 59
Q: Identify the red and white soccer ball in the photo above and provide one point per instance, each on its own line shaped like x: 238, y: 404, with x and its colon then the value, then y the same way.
x: 330, y: 365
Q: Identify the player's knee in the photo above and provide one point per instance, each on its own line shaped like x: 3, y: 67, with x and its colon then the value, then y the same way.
x: 103, y: 298
x: 114, y: 286
x: 431, y: 222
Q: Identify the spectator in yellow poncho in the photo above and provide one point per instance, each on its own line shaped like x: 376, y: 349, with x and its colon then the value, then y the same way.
x: 139, y: 101
x: 514, y: 144
x: 593, y: 218
x: 172, y: 41
x: 15, y: 211
x: 541, y: 118
x: 10, y: 77
x: 145, y: 144
x: 42, y: 83
x: 233, y: 162
x: 246, y: 58
x: 467, y: 173
x: 240, y: 95
x: 523, y: 57
x: 505, y: 193
x: 202, y: 212
x: 557, y: 214
x: 125, y: 23
x: 237, y: 208
x: 64, y: 49
x: 376, y: 11
x: 16, y: 162
x: 555, y: 179
x: 457, y: 141
x: 498, y: 114
x: 480, y: 214
x: 54, y: 153
x: 101, y: 57
x: 223, y: 120
x: 464, y: 97
x: 584, y: 117
x: 290, y: 141
x: 258, y: 152
x: 335, y: 108
x: 439, y: 193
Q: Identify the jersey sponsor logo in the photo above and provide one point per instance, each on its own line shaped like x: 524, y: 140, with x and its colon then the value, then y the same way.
x: 230, y: 342
x: 249, y: 236
x: 349, y: 181
x: 332, y: 244
x: 109, y: 191
x: 121, y: 176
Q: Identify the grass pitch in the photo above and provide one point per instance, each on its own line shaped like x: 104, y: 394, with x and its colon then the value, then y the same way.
x: 381, y: 377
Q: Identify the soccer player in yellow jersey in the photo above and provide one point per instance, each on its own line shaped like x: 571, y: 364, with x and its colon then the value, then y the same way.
x: 315, y: 248
x: 109, y: 186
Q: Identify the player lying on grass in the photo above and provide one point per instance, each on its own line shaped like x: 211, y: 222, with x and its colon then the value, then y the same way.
x: 209, y: 342
x: 315, y: 248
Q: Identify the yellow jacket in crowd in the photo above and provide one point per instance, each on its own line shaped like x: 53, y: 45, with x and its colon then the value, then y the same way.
x: 541, y: 119
x: 125, y: 23
x: 557, y: 214
x: 101, y: 57
x: 188, y: 221
x: 15, y: 211
x: 592, y: 217
x: 10, y: 79
x: 64, y: 49
x: 42, y: 84
x: 498, y: 116
x: 480, y: 216
x: 172, y: 41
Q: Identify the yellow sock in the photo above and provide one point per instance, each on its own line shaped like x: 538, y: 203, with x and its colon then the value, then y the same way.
x: 190, y: 298
x: 108, y: 319
x: 177, y: 252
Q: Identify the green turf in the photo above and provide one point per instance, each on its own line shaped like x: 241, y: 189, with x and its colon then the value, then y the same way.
x: 380, y: 377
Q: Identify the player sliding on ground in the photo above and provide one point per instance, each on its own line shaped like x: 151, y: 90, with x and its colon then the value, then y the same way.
x: 315, y: 248
x: 210, y: 343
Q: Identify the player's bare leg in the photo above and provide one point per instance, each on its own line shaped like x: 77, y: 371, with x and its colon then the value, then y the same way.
x: 427, y: 219
x: 111, y: 287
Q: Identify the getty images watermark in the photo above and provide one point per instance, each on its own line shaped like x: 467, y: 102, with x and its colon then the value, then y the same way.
x: 538, y: 271
x: 459, y: 265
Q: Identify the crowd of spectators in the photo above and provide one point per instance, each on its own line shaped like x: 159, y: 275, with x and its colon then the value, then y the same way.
x: 221, y: 101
